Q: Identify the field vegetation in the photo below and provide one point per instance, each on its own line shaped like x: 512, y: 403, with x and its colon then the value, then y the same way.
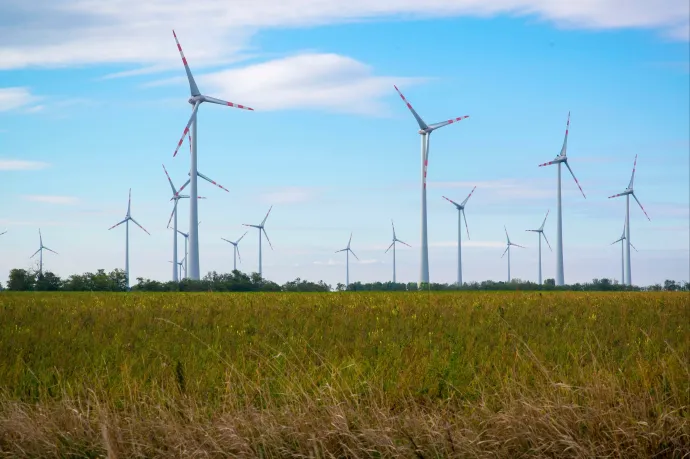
x: 420, y: 375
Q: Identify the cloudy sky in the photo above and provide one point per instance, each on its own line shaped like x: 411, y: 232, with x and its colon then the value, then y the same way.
x: 93, y: 99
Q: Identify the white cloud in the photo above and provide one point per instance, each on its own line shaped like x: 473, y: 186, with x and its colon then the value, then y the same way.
x: 21, y: 165
x: 48, y: 199
x: 16, y: 97
x: 75, y: 32
x: 370, y: 261
x: 330, y: 262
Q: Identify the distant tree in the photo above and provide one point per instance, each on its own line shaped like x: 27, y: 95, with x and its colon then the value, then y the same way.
x: 47, y: 282
x: 21, y: 280
x: 671, y: 286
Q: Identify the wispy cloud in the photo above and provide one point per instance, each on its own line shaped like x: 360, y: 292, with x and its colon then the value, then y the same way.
x: 16, y: 97
x: 21, y: 165
x: 370, y: 261
x: 330, y: 262
x: 48, y: 199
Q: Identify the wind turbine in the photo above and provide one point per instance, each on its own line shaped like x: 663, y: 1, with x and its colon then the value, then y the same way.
x: 40, y: 250
x: 186, y: 238
x: 541, y: 233
x: 508, y: 251
x: 236, y: 250
x: 261, y: 228
x: 622, y: 240
x: 562, y: 158
x: 395, y: 239
x: 627, y: 193
x: 127, y: 219
x: 195, y: 100
x: 425, y: 131
x: 348, y: 251
x: 179, y: 264
x: 461, y: 214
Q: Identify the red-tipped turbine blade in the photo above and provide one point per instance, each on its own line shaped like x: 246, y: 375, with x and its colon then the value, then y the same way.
x: 468, y: 197
x: 193, y: 89
x: 565, y: 140
x: 575, y: 178
x: 117, y: 224
x: 186, y: 129
x: 169, y: 180
x: 640, y: 204
x: 137, y: 223
x: 446, y: 123
x: 450, y: 201
x: 213, y: 100
x: 548, y: 164
x: 420, y: 121
x: 632, y: 177
x: 172, y: 214
x: 466, y: 227
x: 211, y: 181
x: 616, y: 195
x: 547, y: 241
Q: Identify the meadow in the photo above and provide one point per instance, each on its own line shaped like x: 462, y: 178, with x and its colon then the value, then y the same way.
x: 452, y: 374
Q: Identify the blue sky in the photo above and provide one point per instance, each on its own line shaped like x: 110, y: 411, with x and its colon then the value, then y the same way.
x: 93, y: 99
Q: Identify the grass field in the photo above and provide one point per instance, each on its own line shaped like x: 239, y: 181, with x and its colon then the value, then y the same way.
x: 345, y: 375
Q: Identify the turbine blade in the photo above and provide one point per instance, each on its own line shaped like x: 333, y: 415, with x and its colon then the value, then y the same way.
x: 640, y: 204
x: 632, y: 177
x: 618, y: 240
x: 36, y: 252
x: 182, y: 188
x: 341, y: 250
x: 238, y: 241
x: 186, y: 235
x: 433, y: 127
x: 3, y: 232
x: 616, y: 195
x: 633, y: 247
x: 405, y: 243
x: 565, y: 139
x: 547, y: 241
x: 504, y: 252
x: 348, y: 242
x: 114, y: 226
x: 169, y: 180
x: 518, y: 246
x: 451, y: 201
x: 575, y: 178
x: 549, y: 163
x: 213, y: 100
x: 544, y: 222
x: 420, y: 121
x: 51, y: 250
x: 353, y: 254
x: 468, y: 197
x: 172, y: 214
x: 264, y: 220
x: 389, y: 247
x: 266, y: 234
x: 393, y: 226
x: 186, y: 129
x: 193, y: 89
x: 211, y: 181
x: 466, y: 227
x: 137, y: 223
x: 237, y: 247
x: 129, y: 202
x: 507, y: 237
x: 228, y: 241
x: 40, y: 237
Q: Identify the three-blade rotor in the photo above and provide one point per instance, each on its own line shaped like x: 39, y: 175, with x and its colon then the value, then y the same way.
x: 461, y: 209
x: 129, y: 216
x: 261, y: 228
x: 348, y: 249
x: 563, y: 157
x: 631, y: 191
x: 395, y: 239
x: 540, y: 230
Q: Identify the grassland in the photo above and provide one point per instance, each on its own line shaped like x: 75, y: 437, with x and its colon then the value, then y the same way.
x: 345, y: 375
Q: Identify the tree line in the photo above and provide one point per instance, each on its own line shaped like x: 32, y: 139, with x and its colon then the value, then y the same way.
x: 236, y: 281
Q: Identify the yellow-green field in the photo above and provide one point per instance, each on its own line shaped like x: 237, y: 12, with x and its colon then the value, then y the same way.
x: 345, y: 375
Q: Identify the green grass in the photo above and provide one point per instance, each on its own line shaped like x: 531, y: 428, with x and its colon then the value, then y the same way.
x: 446, y: 354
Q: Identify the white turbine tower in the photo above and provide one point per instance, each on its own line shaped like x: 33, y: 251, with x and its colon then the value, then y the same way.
x: 627, y: 193
x: 395, y: 239
x: 562, y: 158
x: 622, y: 240
x: 236, y: 250
x: 348, y: 251
x: 127, y: 219
x: 508, y: 250
x: 461, y: 215
x: 196, y: 100
x: 40, y: 250
x: 260, y: 227
x: 425, y: 131
x: 540, y: 231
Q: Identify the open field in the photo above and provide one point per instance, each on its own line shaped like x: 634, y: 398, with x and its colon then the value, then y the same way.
x: 345, y: 375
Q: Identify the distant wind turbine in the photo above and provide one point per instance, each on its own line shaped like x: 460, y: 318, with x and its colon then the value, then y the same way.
x: 508, y: 250
x: 562, y: 158
x: 627, y: 193
x: 196, y: 100
x: 540, y: 231
x: 186, y: 237
x: 348, y: 251
x: 425, y: 131
x: 236, y: 250
x: 461, y: 215
x: 395, y: 239
x: 260, y: 227
x: 178, y: 267
x: 127, y: 219
x: 40, y: 250
x: 622, y: 240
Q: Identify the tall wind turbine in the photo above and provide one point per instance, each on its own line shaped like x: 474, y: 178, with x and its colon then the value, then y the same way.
x: 395, y: 239
x: 508, y: 250
x: 562, y: 158
x: 236, y: 250
x: 425, y: 131
x: 260, y: 227
x: 622, y: 240
x: 40, y: 250
x: 540, y: 231
x: 127, y: 219
x: 348, y: 251
x: 195, y: 100
x: 461, y: 214
x: 627, y: 193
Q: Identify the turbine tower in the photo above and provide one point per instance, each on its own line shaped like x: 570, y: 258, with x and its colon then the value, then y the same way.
x: 348, y: 251
x: 40, y: 250
x: 236, y: 250
x: 195, y: 100
x: 461, y: 214
x: 395, y: 239
x: 622, y: 240
x: 425, y: 131
x: 127, y: 219
x: 627, y: 193
x: 508, y: 251
x: 562, y: 158
x: 540, y: 230
x: 261, y: 228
